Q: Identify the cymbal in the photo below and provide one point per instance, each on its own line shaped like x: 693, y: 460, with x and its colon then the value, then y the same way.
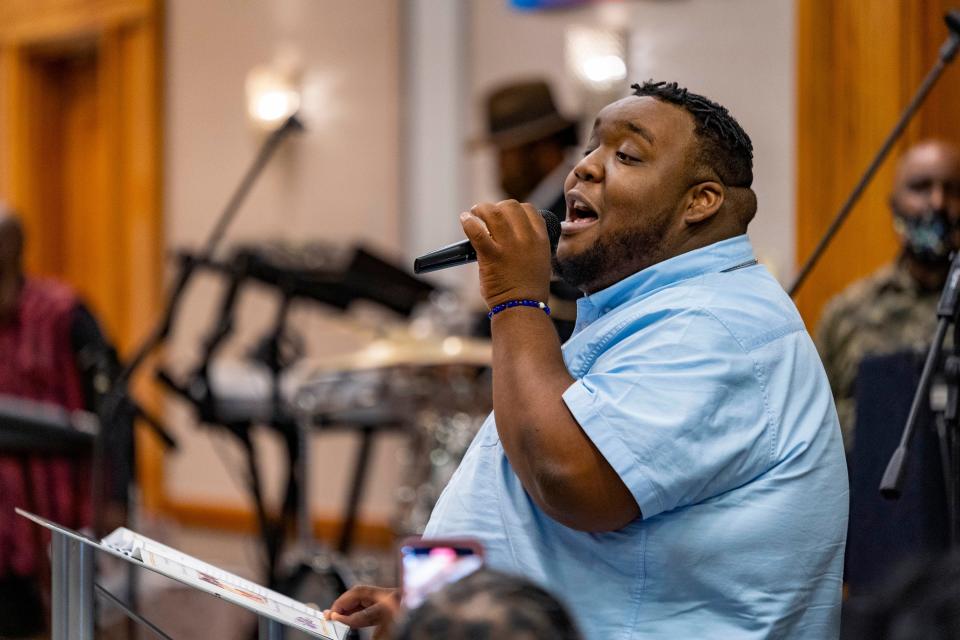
x: 407, y: 350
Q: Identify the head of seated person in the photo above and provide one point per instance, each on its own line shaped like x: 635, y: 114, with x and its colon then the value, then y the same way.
x: 489, y: 604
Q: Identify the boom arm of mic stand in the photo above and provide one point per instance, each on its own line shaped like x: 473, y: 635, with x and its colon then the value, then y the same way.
x: 114, y: 396
x: 162, y: 329
x: 947, y: 53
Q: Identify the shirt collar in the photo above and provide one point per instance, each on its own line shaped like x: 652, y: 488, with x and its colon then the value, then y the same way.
x: 719, y: 256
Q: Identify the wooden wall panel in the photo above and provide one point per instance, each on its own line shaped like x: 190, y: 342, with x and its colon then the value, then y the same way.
x: 927, y: 32
x: 139, y: 149
x: 859, y: 62
x: 10, y: 134
x: 35, y: 20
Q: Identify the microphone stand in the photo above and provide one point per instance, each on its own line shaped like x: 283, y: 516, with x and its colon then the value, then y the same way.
x: 891, y: 484
x: 893, y: 477
x: 118, y: 392
x: 948, y: 52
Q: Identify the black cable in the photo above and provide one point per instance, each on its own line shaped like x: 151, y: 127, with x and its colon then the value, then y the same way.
x: 131, y: 613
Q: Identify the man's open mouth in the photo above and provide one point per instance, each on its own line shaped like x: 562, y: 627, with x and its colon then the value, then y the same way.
x: 579, y: 215
x: 579, y: 212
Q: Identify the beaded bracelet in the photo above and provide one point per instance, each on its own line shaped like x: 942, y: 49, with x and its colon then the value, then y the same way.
x: 518, y: 303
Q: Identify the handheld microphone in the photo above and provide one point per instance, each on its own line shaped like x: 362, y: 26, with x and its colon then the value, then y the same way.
x: 463, y: 252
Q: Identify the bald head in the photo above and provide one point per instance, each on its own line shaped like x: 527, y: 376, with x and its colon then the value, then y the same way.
x: 928, y: 177
x: 933, y: 151
x: 926, y: 201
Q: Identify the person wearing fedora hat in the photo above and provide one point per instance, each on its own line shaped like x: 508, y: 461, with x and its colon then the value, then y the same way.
x: 536, y: 148
x: 532, y: 140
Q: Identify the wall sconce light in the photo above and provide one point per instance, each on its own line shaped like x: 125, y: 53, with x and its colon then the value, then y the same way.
x: 273, y: 94
x: 597, y: 57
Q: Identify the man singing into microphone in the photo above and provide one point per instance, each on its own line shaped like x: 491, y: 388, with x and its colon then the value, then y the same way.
x: 676, y: 469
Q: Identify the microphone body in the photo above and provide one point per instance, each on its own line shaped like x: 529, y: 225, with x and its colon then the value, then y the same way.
x: 463, y: 252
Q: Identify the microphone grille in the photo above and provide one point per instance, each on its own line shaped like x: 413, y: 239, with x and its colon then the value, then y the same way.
x: 553, y: 228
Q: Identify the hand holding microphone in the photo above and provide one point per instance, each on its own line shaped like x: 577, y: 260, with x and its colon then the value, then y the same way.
x: 512, y: 242
x: 463, y: 252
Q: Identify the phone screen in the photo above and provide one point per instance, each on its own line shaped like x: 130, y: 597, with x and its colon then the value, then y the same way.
x: 428, y: 565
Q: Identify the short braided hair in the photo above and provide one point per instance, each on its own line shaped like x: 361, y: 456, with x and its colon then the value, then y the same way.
x: 725, y: 146
x: 489, y: 604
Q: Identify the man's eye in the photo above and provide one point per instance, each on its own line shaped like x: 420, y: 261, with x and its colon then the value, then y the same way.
x: 623, y: 157
x: 587, y: 152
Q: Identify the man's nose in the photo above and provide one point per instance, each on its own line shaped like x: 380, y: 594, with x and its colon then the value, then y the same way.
x: 589, y: 169
x: 938, y: 197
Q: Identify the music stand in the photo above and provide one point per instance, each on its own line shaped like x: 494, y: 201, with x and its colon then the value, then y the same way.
x: 72, y: 573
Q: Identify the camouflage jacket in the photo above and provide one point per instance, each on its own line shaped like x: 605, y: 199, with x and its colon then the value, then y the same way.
x: 881, y: 314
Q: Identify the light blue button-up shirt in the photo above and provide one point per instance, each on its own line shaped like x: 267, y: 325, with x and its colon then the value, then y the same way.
x: 696, y: 380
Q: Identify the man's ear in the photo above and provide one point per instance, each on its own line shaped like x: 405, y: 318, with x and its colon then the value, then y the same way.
x: 706, y: 198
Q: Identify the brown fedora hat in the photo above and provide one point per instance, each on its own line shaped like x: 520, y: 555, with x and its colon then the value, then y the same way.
x: 521, y: 112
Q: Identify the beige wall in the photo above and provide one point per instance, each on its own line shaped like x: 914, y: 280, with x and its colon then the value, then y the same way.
x: 336, y: 182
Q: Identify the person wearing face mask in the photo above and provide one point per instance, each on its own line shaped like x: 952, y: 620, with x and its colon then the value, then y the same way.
x: 894, y: 309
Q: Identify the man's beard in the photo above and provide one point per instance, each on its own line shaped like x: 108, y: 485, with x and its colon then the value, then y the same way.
x: 612, y: 259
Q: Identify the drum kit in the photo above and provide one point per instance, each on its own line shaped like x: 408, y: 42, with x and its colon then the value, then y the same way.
x: 436, y: 391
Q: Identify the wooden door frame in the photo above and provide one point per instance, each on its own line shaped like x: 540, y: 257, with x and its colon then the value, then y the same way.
x: 128, y: 40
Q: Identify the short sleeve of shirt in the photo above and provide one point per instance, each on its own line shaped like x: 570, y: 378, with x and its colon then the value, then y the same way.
x: 678, y: 411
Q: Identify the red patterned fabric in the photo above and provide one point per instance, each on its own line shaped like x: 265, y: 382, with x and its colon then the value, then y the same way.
x: 37, y: 362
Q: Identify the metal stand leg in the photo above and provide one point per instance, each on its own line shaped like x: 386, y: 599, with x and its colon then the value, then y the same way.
x: 270, y: 630
x: 356, y: 490
x: 72, y: 597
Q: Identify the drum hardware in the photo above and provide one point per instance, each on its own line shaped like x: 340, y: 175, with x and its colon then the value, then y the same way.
x: 437, y: 389
x: 313, y: 570
x: 212, y: 410
x: 318, y: 273
x: 382, y: 387
x: 114, y: 399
